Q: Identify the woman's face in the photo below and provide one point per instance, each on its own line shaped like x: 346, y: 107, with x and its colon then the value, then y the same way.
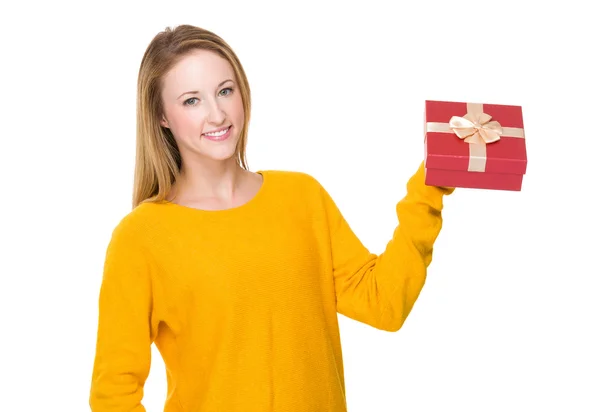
x: 200, y: 96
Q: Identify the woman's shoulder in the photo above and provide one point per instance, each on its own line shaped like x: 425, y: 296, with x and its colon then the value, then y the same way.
x: 296, y: 178
x: 131, y: 224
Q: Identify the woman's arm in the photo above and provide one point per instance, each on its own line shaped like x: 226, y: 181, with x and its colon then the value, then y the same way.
x: 380, y: 290
x: 126, y: 326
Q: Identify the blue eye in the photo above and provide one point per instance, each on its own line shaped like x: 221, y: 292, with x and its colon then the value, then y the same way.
x: 188, y: 102
x: 227, y: 88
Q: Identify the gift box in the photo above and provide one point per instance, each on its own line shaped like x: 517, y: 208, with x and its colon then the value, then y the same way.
x: 474, y: 145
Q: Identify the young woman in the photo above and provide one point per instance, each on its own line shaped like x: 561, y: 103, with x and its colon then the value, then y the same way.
x: 237, y: 277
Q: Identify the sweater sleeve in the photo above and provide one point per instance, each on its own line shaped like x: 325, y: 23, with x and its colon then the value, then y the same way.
x: 125, y: 327
x: 380, y: 290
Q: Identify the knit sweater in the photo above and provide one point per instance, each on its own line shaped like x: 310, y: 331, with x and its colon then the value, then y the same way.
x: 242, y: 303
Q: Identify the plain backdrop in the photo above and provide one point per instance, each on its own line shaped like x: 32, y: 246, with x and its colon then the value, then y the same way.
x: 508, y: 319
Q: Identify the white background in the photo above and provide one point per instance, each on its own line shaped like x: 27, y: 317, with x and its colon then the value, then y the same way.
x: 509, y: 317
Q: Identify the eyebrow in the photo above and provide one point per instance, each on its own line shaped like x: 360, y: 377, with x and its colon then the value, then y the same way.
x: 196, y: 91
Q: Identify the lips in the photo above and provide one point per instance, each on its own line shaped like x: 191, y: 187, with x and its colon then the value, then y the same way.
x: 219, y: 137
x: 217, y: 130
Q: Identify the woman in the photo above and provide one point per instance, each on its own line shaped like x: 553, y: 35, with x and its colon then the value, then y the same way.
x: 238, y: 277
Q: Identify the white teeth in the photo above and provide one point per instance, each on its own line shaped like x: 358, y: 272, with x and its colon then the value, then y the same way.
x: 217, y: 134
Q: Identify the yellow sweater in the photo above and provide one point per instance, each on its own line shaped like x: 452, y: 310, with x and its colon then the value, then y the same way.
x: 242, y: 303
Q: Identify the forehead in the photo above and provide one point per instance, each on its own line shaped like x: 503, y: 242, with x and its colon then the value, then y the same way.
x: 198, y: 70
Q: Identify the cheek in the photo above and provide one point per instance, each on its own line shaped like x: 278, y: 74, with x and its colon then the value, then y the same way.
x: 238, y: 110
x: 186, y: 123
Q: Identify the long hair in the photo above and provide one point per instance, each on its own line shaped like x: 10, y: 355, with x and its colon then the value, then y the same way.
x: 158, y: 160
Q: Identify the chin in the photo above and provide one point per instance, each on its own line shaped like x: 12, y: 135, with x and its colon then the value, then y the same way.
x: 218, y: 155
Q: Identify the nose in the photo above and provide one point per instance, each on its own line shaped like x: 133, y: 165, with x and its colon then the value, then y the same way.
x: 215, y: 113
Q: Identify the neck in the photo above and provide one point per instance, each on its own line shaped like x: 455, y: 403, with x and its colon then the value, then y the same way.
x: 202, y: 181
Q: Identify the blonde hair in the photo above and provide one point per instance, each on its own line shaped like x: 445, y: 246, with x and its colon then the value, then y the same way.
x: 158, y: 160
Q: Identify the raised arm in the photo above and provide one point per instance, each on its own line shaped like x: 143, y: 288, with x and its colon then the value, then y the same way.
x: 380, y: 290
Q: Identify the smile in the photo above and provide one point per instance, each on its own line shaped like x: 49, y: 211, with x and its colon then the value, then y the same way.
x: 218, y: 136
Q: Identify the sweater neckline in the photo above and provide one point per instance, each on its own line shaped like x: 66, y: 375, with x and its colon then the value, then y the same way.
x: 249, y: 204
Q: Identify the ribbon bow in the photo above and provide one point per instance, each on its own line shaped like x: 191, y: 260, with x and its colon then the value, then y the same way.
x: 476, y: 128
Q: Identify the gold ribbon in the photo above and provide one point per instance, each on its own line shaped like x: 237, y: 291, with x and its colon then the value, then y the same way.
x: 477, y: 129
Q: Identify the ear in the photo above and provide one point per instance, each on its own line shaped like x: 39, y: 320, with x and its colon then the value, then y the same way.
x: 163, y: 122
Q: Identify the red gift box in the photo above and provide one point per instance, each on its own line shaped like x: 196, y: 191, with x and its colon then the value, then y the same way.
x: 474, y: 145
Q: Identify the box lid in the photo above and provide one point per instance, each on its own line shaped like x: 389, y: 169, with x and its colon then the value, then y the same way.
x: 446, y: 150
